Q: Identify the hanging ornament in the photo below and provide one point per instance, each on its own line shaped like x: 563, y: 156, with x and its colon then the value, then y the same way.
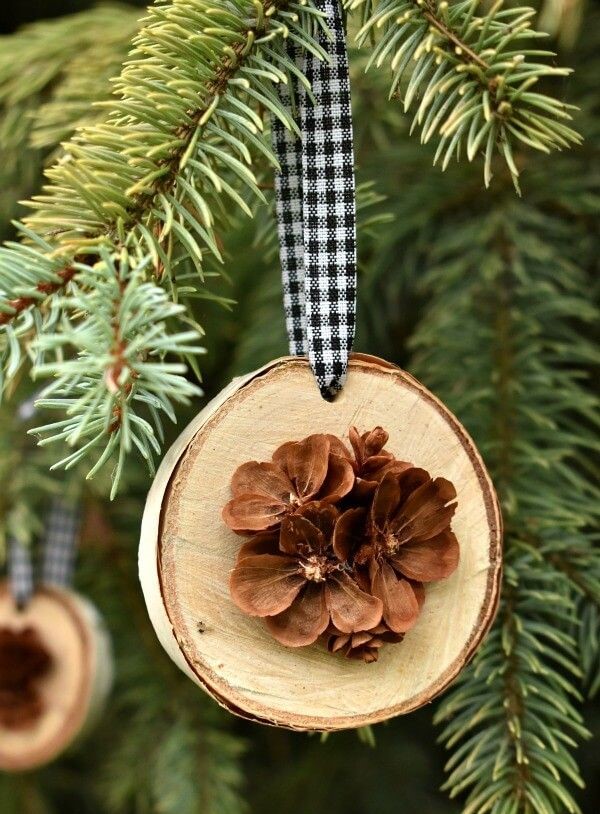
x: 55, y: 656
x: 321, y: 557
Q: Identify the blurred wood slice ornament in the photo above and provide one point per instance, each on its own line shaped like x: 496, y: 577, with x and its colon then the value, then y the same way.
x: 187, y: 553
x: 59, y: 654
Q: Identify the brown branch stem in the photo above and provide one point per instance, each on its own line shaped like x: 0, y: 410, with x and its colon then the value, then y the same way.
x: 22, y: 303
x: 225, y: 72
x: 466, y: 53
x: 514, y: 705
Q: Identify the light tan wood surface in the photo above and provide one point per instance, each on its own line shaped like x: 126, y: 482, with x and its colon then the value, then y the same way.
x: 187, y: 553
x: 76, y: 686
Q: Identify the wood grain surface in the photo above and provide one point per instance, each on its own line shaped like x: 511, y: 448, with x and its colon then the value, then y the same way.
x: 187, y: 553
x: 76, y: 686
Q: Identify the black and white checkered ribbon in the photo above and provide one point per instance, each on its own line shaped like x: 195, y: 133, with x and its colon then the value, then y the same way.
x: 59, y: 544
x: 316, y: 207
x: 20, y: 572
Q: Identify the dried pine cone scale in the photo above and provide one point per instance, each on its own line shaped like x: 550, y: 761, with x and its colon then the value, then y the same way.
x: 364, y: 645
x: 370, y: 461
x: 301, y: 584
x: 300, y: 472
x: 24, y: 660
x: 342, y: 539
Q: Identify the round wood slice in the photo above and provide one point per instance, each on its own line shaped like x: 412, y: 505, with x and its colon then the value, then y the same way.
x: 187, y: 552
x: 76, y: 686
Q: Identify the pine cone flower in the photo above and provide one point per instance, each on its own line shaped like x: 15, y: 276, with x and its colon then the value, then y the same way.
x: 300, y: 472
x: 343, y: 540
x: 365, y: 644
x: 297, y: 582
x: 23, y: 661
x: 411, y: 540
x: 370, y: 461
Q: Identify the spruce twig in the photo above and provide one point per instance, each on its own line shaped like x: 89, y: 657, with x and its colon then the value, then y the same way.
x: 147, y: 186
x: 470, y: 77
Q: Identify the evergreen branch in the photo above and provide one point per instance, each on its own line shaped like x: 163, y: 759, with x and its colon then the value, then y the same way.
x: 57, y: 67
x: 50, y: 73
x: 45, y: 289
x: 163, y: 131
x: 511, y: 720
x: 165, y: 158
x: 588, y: 642
x: 511, y: 310
x: 470, y: 77
x: 115, y: 322
x: 151, y: 182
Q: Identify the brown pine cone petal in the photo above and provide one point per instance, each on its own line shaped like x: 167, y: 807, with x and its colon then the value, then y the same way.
x: 358, y: 446
x: 428, y: 560
x: 362, y: 646
x: 386, y: 500
x: 400, y: 606
x: 374, y: 441
x: 337, y: 447
x: 23, y: 657
x: 425, y: 513
x: 24, y: 660
x: 305, y: 463
x: 362, y: 637
x: 349, y: 533
x: 261, y: 479
x: 374, y: 465
x: 369, y: 454
x: 412, y: 478
x: 419, y: 590
x: 263, y: 543
x: 350, y: 608
x: 366, y: 483
x: 322, y: 515
x: 338, y: 641
x: 363, y: 491
x: 19, y: 710
x: 297, y: 533
x: 367, y: 445
x: 339, y: 480
x: 265, y: 584
x: 304, y: 621
x: 250, y: 513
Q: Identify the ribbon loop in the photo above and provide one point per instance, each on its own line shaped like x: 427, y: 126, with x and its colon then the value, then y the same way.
x: 60, y: 540
x: 316, y: 208
x: 59, y: 546
x: 20, y: 572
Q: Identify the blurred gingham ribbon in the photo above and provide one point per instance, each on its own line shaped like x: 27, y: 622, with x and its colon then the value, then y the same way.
x: 58, y: 545
x: 20, y: 572
x: 316, y: 207
x: 58, y: 553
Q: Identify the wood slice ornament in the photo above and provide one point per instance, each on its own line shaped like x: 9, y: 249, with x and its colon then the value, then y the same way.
x: 321, y: 557
x: 60, y: 652
x: 187, y: 552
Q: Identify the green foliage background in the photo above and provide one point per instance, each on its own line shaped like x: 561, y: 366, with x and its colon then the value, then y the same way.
x: 491, y: 300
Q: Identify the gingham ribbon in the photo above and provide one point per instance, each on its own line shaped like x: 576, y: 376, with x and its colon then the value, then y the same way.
x: 59, y: 544
x: 62, y: 530
x: 20, y: 572
x: 316, y: 208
